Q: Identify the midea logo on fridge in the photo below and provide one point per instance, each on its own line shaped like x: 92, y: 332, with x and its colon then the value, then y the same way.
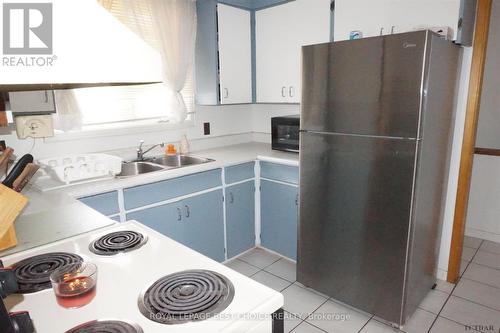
x: 27, y: 34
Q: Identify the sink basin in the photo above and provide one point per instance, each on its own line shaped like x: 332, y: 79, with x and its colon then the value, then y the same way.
x: 179, y: 161
x: 159, y: 163
x: 138, y: 168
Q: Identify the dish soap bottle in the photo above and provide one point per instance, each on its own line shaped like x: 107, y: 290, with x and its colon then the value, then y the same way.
x: 171, y: 151
x: 184, y: 146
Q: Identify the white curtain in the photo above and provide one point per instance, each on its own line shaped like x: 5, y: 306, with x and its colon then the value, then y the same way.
x: 68, y: 116
x: 174, y: 30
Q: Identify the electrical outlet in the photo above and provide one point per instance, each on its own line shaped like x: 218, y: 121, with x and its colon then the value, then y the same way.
x: 39, y: 126
x: 206, y: 128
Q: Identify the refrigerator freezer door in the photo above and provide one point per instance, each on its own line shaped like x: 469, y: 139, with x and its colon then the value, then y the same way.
x: 369, y: 86
x: 355, y: 198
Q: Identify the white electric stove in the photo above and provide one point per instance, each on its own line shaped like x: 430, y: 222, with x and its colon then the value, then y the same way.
x: 134, y: 283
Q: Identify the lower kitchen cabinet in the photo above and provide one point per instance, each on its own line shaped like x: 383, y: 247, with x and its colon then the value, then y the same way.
x: 240, y: 218
x: 104, y: 203
x: 196, y: 222
x: 279, y: 217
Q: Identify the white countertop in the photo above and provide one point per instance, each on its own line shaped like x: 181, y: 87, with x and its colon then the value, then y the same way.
x: 55, y: 215
x: 222, y: 156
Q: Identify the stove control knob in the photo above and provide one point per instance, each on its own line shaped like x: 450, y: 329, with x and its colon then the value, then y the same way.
x: 22, y: 322
x: 8, y: 283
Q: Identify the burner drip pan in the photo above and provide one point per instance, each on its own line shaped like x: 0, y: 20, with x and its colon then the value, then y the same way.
x: 185, y: 296
x: 106, y: 326
x: 33, y: 273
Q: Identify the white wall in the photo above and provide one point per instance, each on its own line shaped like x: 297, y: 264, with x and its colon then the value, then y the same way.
x: 484, y: 210
x: 488, y: 132
x: 229, y: 125
x: 483, y: 215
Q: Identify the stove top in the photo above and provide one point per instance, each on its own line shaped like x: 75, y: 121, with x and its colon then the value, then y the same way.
x: 33, y: 273
x: 106, y: 326
x: 117, y: 242
x: 191, y: 295
x: 147, y: 274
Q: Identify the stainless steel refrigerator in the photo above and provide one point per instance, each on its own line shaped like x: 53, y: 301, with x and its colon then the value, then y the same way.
x: 376, y: 118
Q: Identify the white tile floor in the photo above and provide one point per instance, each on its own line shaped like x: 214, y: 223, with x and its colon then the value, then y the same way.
x: 475, y: 300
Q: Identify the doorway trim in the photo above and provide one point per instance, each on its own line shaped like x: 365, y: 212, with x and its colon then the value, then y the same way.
x: 480, y: 46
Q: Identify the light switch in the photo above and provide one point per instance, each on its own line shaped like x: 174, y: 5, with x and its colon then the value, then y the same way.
x: 40, y: 126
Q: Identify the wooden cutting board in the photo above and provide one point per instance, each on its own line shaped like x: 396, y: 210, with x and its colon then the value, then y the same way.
x: 11, y: 205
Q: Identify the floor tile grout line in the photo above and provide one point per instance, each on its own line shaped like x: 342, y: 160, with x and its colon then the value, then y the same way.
x: 362, y: 328
x: 300, y: 321
x: 485, y: 306
x: 248, y: 263
x: 480, y: 282
x: 457, y: 322
x: 483, y: 265
x: 486, y: 251
x: 453, y: 289
x: 315, y: 311
x: 445, y: 302
x: 281, y: 277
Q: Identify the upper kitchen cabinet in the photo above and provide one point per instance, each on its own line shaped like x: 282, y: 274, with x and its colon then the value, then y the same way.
x: 373, y: 18
x: 32, y: 102
x: 280, y: 33
x: 223, y: 58
x: 235, y: 55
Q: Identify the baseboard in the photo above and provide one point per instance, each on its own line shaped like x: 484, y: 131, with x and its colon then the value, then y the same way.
x: 482, y: 234
x: 441, y: 274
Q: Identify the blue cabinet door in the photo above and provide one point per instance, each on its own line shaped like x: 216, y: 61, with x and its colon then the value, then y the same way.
x: 166, y: 219
x: 240, y: 218
x: 196, y: 222
x: 279, y: 218
x: 203, y: 222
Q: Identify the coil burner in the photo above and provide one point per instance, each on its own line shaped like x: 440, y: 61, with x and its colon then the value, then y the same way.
x: 117, y: 242
x: 106, y: 326
x: 33, y: 274
x: 192, y: 295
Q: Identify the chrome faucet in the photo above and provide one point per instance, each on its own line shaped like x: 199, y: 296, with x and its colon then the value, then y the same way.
x: 141, y: 153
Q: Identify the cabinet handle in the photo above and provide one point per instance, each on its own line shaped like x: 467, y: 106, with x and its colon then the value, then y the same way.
x: 297, y: 200
x: 283, y: 94
x: 46, y: 97
x: 231, y: 197
x: 188, y: 212
x: 290, y: 91
x: 179, y: 212
x: 226, y: 93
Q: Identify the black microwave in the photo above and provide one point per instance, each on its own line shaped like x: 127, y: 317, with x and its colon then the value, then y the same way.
x: 285, y: 133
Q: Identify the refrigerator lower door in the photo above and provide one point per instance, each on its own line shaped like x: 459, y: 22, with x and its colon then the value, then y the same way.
x: 354, y: 215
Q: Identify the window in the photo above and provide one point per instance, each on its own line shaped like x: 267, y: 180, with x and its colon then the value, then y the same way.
x: 131, y: 103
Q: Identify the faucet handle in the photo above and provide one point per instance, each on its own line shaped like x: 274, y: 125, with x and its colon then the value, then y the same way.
x: 141, y: 143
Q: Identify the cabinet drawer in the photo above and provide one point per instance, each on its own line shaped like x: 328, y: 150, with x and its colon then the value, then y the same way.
x: 239, y: 172
x: 105, y: 203
x: 168, y: 189
x: 283, y: 173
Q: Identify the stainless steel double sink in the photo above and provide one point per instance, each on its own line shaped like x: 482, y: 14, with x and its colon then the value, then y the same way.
x: 159, y: 163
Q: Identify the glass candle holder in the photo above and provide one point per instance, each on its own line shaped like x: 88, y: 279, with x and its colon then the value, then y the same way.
x: 75, y: 284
